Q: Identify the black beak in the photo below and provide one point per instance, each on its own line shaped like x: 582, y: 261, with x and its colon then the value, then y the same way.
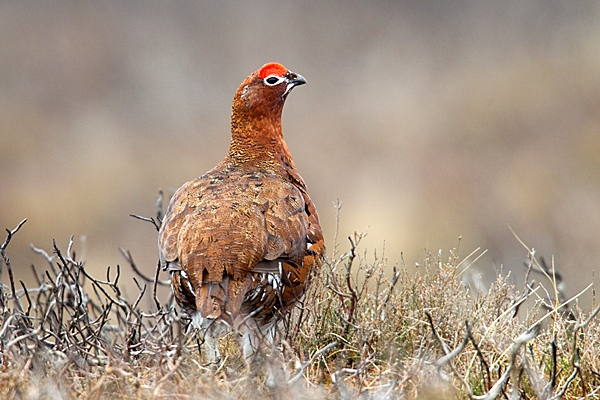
x: 293, y: 80
x: 296, y: 79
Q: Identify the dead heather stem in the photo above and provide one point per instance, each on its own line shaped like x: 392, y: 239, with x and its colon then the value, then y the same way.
x: 366, y: 328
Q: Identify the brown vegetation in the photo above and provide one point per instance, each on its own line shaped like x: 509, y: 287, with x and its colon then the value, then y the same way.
x: 364, y: 330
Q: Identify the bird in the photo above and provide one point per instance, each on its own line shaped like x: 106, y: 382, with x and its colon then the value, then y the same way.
x: 242, y: 241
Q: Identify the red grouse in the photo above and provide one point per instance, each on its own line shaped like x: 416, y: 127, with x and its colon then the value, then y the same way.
x: 242, y: 240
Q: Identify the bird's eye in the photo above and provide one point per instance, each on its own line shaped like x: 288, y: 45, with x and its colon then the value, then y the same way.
x: 273, y: 80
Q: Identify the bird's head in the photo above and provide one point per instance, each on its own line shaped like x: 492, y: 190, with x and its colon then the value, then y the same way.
x: 266, y: 89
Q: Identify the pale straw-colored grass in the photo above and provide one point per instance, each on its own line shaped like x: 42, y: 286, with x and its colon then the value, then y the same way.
x: 366, y: 328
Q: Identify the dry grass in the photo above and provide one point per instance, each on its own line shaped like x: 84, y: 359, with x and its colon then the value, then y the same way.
x: 365, y: 329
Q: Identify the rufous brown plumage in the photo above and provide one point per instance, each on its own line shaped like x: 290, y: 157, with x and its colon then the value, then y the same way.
x: 245, y: 237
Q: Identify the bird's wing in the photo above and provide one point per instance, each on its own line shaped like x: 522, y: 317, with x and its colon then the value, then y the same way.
x: 279, y: 282
x: 219, y: 228
x: 182, y: 203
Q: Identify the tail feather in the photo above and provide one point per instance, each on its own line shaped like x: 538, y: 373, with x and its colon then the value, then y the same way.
x: 210, y: 299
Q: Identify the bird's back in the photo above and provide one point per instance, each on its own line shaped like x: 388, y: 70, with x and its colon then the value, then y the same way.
x: 239, y: 242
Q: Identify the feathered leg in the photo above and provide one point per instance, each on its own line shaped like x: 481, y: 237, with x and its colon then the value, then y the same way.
x: 256, y: 339
x: 210, y: 330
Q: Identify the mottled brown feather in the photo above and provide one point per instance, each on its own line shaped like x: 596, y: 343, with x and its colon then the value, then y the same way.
x: 230, y: 233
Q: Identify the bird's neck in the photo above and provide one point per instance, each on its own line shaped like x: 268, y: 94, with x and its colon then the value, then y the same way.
x: 257, y: 142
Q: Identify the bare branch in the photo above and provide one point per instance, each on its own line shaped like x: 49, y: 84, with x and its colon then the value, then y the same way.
x: 133, y: 265
x: 312, y: 359
x: 9, y: 236
x: 151, y: 220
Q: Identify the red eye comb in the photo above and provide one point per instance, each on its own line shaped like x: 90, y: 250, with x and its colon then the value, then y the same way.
x: 272, y: 69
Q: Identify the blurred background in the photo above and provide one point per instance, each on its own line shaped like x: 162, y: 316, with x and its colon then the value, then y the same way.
x: 429, y: 120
